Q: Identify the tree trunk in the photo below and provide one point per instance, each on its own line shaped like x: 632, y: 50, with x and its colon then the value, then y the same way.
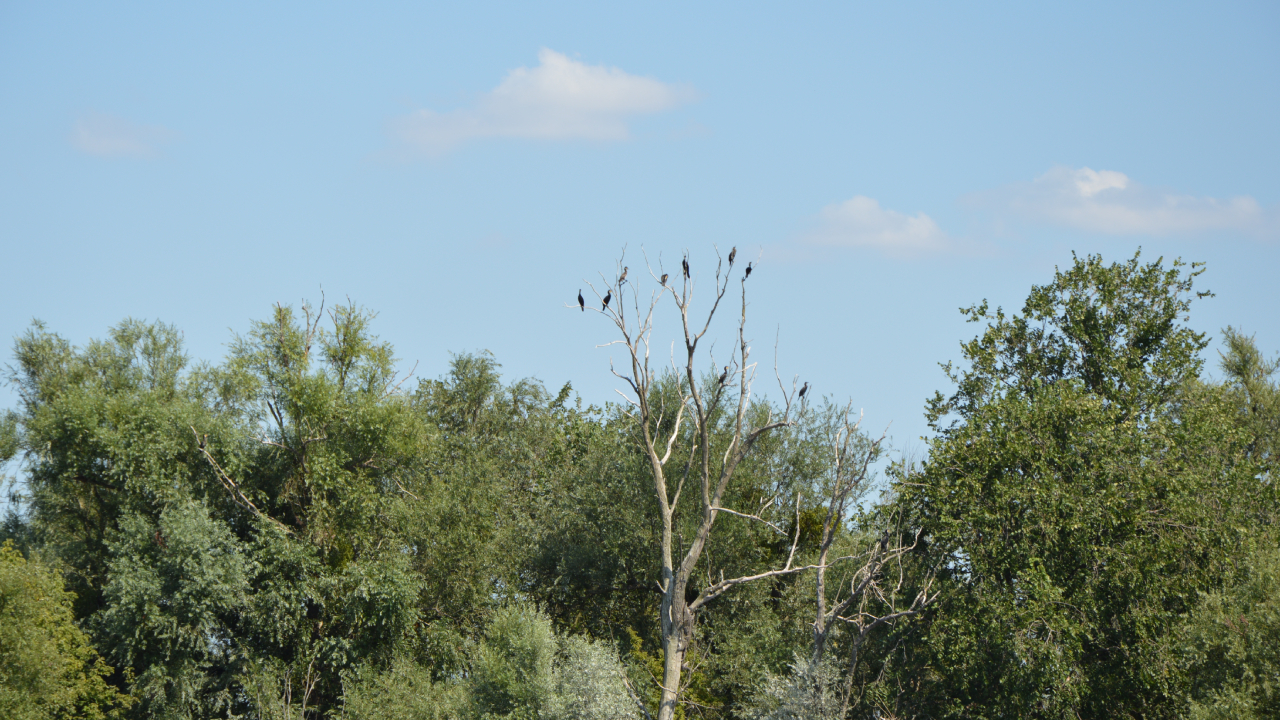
x: 677, y: 631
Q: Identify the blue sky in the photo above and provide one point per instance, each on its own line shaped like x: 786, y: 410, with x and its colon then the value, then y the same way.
x: 462, y: 169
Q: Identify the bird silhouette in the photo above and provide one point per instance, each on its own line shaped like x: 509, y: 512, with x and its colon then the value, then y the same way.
x: 724, y: 376
x: 607, y: 294
x: 804, y: 390
x: 744, y: 277
x: 623, y: 277
x: 732, y: 254
x: 581, y: 303
x: 685, y: 263
x: 664, y: 279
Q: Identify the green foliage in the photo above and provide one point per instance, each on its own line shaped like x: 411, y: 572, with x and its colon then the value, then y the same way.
x: 809, y: 691
x: 1087, y: 492
x: 405, y: 691
x: 48, y: 669
x: 1249, y: 377
x: 1112, y: 328
x: 293, y: 534
x: 175, y: 588
x: 1233, y: 644
x: 512, y: 674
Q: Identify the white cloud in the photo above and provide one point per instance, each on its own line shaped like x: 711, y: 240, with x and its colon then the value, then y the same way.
x: 560, y: 99
x: 1109, y: 202
x: 861, y: 222
x: 110, y: 136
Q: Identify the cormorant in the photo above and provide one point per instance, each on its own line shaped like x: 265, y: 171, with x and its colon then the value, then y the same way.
x: 581, y: 303
x: 664, y: 279
x: 203, y: 441
x: 732, y: 254
x: 607, y: 294
x: 724, y: 376
x: 623, y: 277
x: 804, y: 390
x: 744, y: 277
x: 685, y: 263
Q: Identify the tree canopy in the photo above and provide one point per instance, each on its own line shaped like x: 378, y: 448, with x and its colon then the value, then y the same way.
x: 300, y: 530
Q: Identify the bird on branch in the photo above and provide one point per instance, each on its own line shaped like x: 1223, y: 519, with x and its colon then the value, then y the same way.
x: 724, y: 376
x: 623, y: 277
x: 685, y: 263
x: 582, y: 304
x: 804, y: 390
x: 744, y: 277
x: 607, y: 294
x: 732, y: 254
x: 663, y: 280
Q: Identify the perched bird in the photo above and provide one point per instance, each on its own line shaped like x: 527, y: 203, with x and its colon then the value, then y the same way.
x: 581, y: 303
x: 664, y: 279
x: 732, y: 254
x: 724, y: 376
x: 203, y: 441
x: 744, y: 277
x: 623, y: 277
x: 607, y: 294
x: 804, y: 390
x: 685, y: 263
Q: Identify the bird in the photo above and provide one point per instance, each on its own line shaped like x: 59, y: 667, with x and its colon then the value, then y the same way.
x: 744, y: 277
x: 664, y: 279
x: 804, y: 390
x: 685, y: 263
x: 203, y: 441
x: 724, y: 376
x: 732, y: 254
x: 581, y: 303
x: 623, y: 277
x: 607, y: 294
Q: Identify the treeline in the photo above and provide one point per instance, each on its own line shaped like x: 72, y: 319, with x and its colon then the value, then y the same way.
x: 299, y: 532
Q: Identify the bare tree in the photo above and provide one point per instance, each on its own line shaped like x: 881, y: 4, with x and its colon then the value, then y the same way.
x: 875, y: 591
x: 708, y: 473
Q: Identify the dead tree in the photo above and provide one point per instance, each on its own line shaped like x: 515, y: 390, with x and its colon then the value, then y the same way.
x: 878, y: 576
x: 706, y: 472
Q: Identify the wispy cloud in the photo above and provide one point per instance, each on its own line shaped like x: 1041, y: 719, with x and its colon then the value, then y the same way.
x: 1110, y: 203
x: 109, y: 136
x: 560, y: 99
x: 861, y: 222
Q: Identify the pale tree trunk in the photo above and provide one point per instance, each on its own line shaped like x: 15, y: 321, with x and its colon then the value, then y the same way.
x: 708, y: 475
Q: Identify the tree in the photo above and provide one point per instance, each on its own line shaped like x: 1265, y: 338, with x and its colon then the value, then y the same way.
x: 720, y: 417
x: 1086, y: 491
x: 48, y: 669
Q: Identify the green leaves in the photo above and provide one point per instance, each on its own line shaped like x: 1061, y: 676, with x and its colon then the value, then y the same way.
x: 1087, y: 489
x: 1114, y: 328
x: 48, y: 669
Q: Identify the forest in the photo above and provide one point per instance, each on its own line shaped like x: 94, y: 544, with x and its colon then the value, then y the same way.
x: 303, y: 531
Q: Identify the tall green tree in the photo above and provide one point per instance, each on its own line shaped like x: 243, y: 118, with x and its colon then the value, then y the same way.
x: 1081, y: 491
x: 48, y: 668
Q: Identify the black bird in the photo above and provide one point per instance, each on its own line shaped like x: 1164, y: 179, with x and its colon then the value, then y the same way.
x: 724, y: 376
x: 664, y: 279
x: 623, y: 277
x: 685, y: 263
x: 581, y: 303
x: 607, y: 294
x: 732, y: 254
x: 744, y: 277
x: 804, y: 390
x: 204, y: 440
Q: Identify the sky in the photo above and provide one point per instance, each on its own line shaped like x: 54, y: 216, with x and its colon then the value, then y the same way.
x: 463, y: 169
